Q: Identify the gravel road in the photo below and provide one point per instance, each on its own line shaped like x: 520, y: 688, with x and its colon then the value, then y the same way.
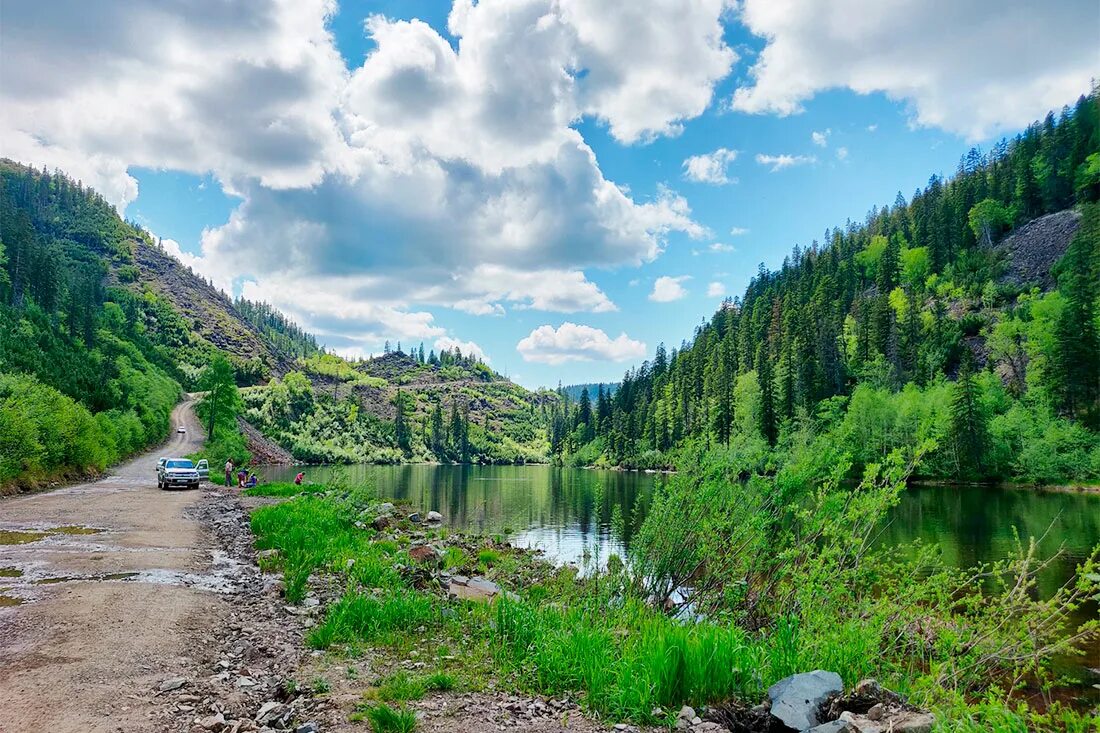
x: 106, y: 615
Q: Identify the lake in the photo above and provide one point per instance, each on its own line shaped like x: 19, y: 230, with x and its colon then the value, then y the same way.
x: 567, y: 512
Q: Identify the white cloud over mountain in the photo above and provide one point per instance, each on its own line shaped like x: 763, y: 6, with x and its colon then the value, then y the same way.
x: 447, y: 170
x: 469, y: 348
x: 574, y: 342
x: 433, y: 174
x: 969, y: 67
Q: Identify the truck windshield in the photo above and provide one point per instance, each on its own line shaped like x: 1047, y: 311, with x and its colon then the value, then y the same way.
x: 180, y: 464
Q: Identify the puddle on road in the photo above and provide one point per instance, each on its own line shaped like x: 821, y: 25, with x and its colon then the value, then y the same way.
x: 11, y: 573
x: 9, y: 601
x: 73, y: 578
x: 76, y: 530
x: 24, y: 536
x: 14, y: 537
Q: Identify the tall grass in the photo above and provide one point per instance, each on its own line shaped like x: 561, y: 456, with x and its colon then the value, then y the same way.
x: 284, y: 489
x: 601, y: 641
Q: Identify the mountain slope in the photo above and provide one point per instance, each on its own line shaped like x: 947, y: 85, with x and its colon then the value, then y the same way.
x: 910, y: 328
x: 399, y: 407
x: 80, y: 287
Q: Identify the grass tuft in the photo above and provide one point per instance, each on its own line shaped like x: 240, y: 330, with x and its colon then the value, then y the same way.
x: 384, y: 719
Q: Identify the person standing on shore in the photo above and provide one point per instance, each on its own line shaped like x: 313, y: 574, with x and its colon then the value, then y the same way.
x: 228, y: 473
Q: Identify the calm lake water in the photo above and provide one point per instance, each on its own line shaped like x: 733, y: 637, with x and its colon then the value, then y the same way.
x: 568, y: 513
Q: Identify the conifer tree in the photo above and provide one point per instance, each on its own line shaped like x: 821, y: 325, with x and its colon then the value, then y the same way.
x: 968, y: 428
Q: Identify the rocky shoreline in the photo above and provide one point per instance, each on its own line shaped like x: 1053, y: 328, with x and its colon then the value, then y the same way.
x: 253, y: 672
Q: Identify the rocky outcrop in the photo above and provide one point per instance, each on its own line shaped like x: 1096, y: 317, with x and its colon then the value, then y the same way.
x: 264, y: 451
x: 206, y: 311
x: 1031, y: 251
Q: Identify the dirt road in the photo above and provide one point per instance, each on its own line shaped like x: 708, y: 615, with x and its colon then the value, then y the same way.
x: 106, y: 604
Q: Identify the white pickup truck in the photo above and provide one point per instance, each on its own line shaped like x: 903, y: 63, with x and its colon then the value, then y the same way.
x: 172, y: 472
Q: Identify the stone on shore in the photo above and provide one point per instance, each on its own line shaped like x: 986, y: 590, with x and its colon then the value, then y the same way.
x: 796, y: 700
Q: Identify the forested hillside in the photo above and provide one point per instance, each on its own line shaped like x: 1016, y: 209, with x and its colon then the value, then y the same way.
x: 399, y: 407
x: 925, y: 321
x: 100, y: 329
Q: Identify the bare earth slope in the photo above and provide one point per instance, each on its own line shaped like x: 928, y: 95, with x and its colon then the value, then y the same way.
x: 69, y: 657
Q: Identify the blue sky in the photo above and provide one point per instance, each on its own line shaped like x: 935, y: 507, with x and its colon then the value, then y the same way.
x: 492, y: 181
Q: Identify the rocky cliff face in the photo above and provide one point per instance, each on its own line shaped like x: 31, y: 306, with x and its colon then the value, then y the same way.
x: 1032, y: 250
x: 209, y: 314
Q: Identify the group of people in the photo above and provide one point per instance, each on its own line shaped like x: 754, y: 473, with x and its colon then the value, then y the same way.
x: 245, y: 479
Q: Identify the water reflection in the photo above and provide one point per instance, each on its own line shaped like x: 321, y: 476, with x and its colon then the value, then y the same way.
x: 569, y: 513
x: 566, y: 512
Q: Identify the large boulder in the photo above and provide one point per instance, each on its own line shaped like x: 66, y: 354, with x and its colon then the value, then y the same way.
x: 796, y: 700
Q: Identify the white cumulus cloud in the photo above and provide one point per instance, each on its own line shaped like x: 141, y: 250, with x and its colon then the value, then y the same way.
x: 820, y: 139
x: 667, y: 289
x: 576, y: 342
x: 783, y: 160
x: 716, y: 290
x: 468, y: 348
x: 962, y: 66
x: 719, y: 247
x: 428, y: 174
x: 710, y: 167
x: 738, y: 231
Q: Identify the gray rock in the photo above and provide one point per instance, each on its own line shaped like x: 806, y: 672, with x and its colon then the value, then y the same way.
x: 385, y: 508
x: 172, y: 684
x: 307, y: 728
x: 795, y: 700
x: 686, y: 713
x: 910, y: 722
x: 901, y: 722
x: 434, y: 516
x: 270, y: 712
x: 414, y: 517
x: 476, y: 589
x: 833, y: 726
x: 213, y: 722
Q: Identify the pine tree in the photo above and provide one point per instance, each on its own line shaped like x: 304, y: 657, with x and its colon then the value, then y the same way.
x: 400, y: 425
x: 968, y: 428
x: 437, y: 431
x: 767, y: 405
x: 1076, y: 360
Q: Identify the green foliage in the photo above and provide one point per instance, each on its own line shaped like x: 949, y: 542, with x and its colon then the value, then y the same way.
x: 279, y: 332
x: 988, y: 218
x: 384, y: 719
x: 786, y: 575
x: 47, y: 435
x: 283, y: 489
x: 218, y: 410
x: 330, y: 365
x: 893, y: 304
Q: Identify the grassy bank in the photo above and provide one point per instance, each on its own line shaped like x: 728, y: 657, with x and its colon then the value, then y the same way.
x: 620, y: 644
